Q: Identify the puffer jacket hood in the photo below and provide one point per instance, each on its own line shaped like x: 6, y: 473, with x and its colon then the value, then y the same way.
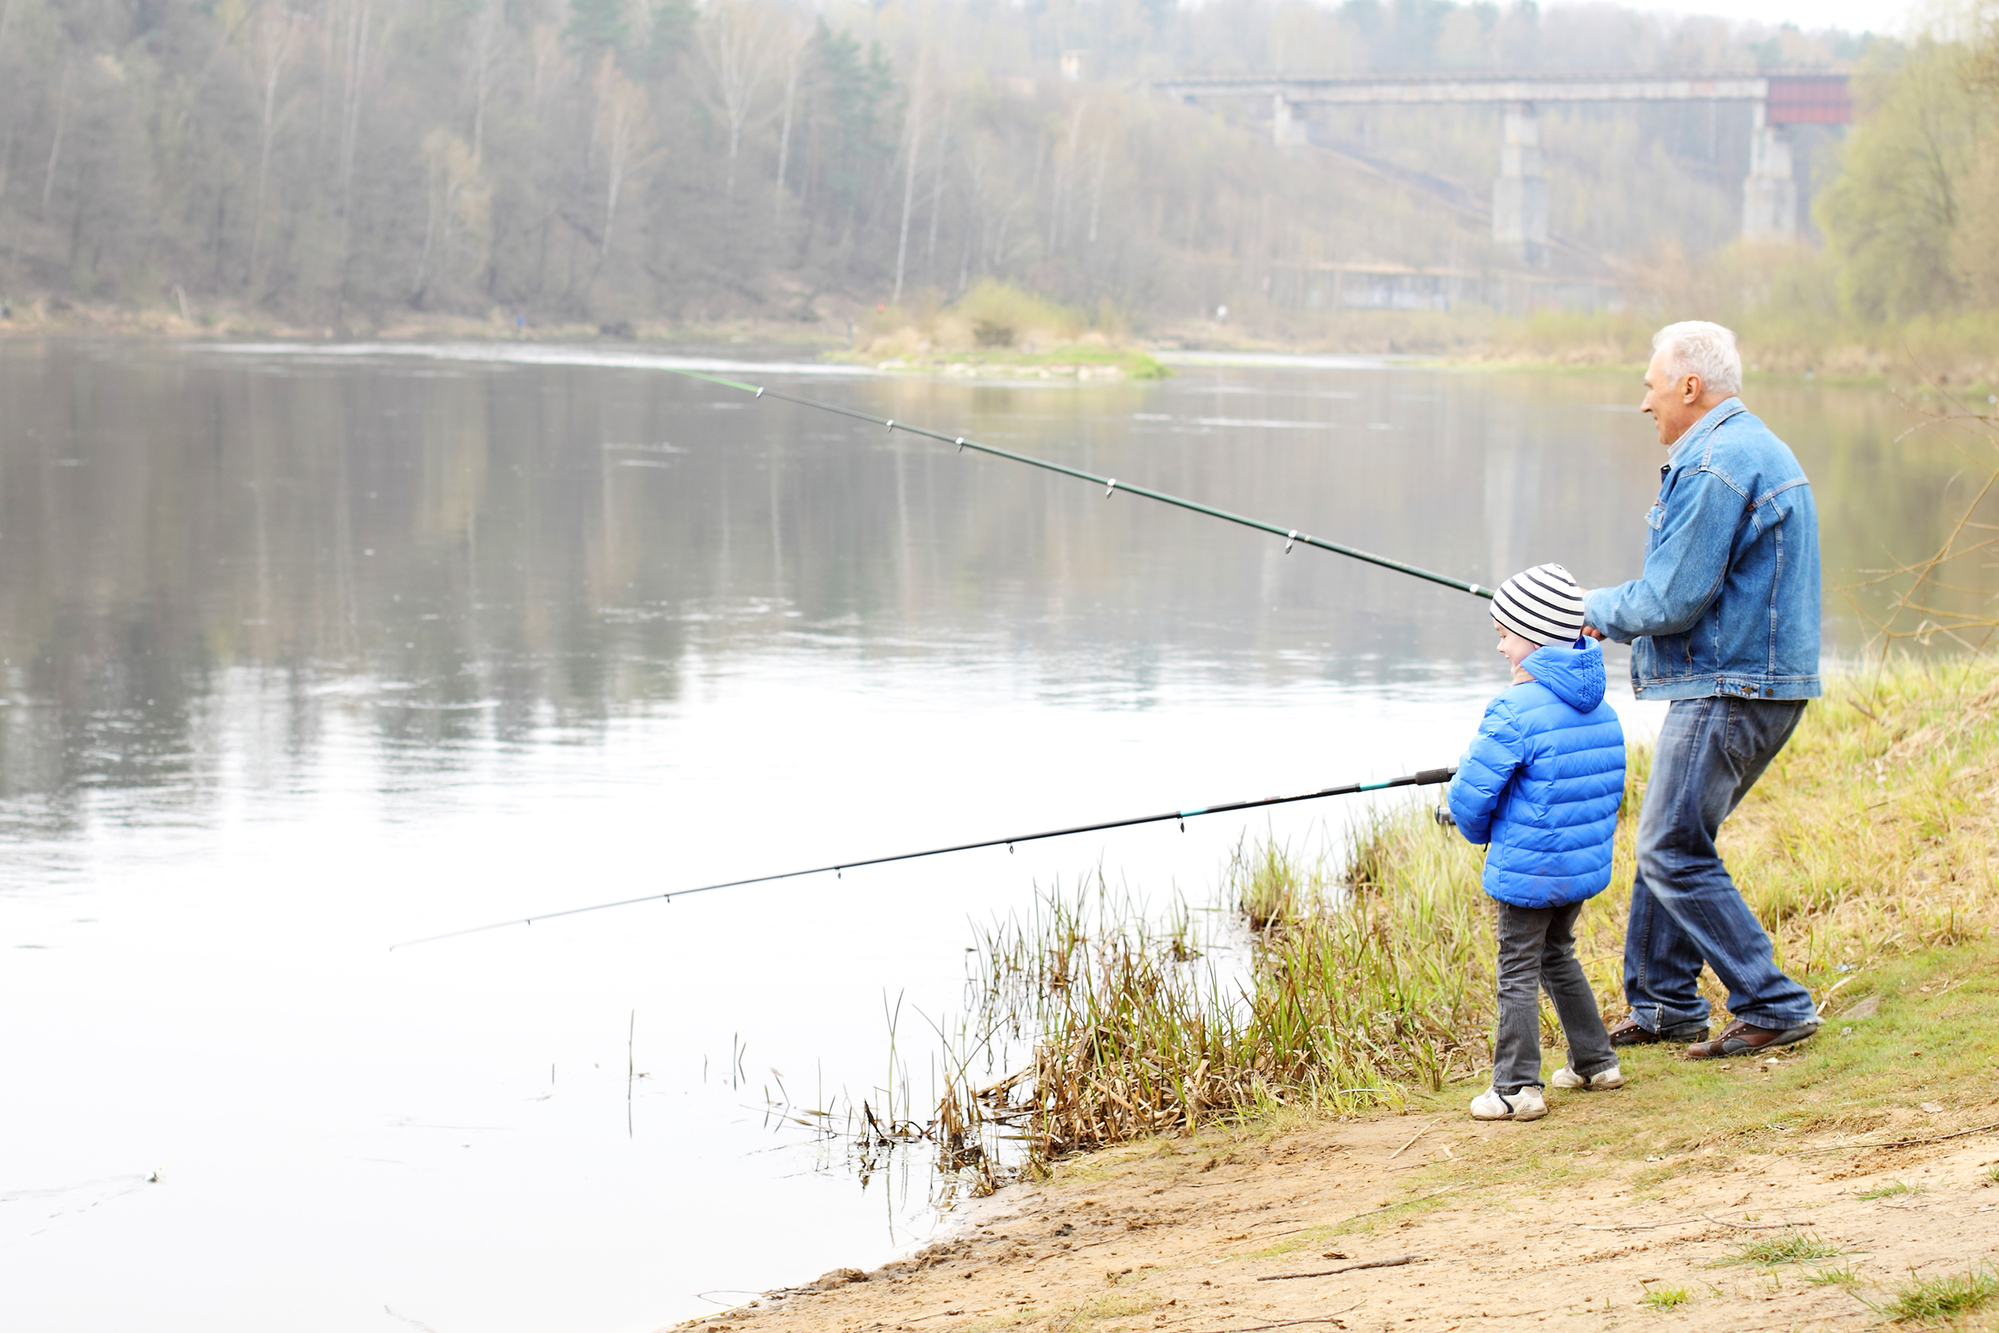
x: 1542, y: 781
x: 1572, y: 674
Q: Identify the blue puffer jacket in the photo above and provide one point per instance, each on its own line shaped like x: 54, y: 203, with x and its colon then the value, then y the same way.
x: 1542, y: 781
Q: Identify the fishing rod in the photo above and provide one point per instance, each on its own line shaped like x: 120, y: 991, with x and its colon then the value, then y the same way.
x: 1428, y: 777
x: 1111, y: 485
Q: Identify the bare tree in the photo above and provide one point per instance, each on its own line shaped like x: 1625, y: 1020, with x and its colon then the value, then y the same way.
x: 354, y: 71
x: 455, y: 205
x: 1065, y: 171
x: 937, y: 185
x: 482, y: 55
x: 55, y: 145
x: 738, y: 47
x: 799, y: 41
x: 273, y: 41
x: 6, y: 141
x: 1097, y: 189
x: 621, y: 129
x: 545, y: 49
x: 909, y: 179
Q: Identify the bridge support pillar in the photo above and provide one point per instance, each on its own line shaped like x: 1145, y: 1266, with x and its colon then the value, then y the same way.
x: 1286, y: 125
x: 1520, y: 192
x: 1770, y: 192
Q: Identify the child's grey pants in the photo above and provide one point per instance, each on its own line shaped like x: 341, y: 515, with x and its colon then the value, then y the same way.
x: 1537, y: 951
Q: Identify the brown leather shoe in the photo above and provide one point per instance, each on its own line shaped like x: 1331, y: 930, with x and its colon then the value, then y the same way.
x: 1740, y: 1038
x: 1630, y: 1032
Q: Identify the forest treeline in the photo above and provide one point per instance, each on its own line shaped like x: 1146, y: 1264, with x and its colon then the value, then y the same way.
x: 353, y: 162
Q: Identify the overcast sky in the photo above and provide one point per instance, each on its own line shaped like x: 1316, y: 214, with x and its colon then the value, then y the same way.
x: 1883, y: 16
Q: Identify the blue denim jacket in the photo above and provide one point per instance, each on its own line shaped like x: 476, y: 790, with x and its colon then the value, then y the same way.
x: 1729, y: 600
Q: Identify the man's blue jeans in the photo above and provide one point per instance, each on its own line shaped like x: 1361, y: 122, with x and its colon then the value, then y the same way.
x: 1685, y: 910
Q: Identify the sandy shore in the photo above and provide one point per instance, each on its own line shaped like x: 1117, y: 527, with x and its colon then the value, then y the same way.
x: 1563, y: 1223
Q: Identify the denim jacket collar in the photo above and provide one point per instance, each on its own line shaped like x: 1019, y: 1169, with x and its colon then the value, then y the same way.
x: 1684, y: 446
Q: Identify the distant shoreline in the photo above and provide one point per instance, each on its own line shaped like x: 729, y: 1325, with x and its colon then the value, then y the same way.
x: 1932, y: 359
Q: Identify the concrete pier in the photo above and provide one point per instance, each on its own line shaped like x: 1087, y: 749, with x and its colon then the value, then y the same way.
x: 1286, y: 125
x: 1770, y: 190
x: 1520, y: 191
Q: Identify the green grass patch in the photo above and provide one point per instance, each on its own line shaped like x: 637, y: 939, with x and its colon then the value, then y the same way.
x: 1079, y: 1318
x: 1368, y: 982
x: 1834, y: 1277
x: 997, y: 328
x: 1889, y: 1190
x: 1941, y: 1299
x: 1789, y: 1247
x: 1665, y: 1298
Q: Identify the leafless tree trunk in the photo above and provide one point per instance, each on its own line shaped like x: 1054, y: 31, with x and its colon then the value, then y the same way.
x: 326, y: 54
x: 620, y: 112
x: 436, y: 177
x: 1065, y: 172
x: 547, y: 45
x: 735, y: 44
x: 1097, y: 189
x: 998, y: 261
x: 7, y: 141
x: 784, y: 135
x: 273, y: 40
x: 359, y: 20
x: 974, y: 211
x: 485, y: 48
x: 55, y: 148
x: 909, y: 180
x: 937, y: 187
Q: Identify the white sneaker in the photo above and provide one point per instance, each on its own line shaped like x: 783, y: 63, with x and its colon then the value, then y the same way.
x: 1602, y: 1081
x: 1526, y: 1104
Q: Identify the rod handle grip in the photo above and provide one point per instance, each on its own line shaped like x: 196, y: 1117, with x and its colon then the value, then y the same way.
x: 1429, y: 777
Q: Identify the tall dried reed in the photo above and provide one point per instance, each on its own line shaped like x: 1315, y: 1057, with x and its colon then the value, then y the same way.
x: 1333, y: 982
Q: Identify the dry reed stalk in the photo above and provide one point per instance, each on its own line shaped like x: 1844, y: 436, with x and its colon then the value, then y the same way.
x: 1870, y: 834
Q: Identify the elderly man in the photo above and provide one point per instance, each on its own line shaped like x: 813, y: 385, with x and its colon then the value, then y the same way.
x: 1724, y: 622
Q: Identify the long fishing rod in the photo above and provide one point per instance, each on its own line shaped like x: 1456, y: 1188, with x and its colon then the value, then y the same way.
x: 1111, y: 485
x: 1428, y: 777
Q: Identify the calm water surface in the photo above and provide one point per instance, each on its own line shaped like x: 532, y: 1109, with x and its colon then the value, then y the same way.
x: 307, y: 651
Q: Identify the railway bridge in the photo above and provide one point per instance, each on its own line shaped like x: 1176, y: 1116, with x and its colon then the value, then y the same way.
x: 1520, y: 190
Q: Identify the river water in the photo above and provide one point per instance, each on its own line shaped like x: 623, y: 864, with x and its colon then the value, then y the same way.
x: 308, y: 651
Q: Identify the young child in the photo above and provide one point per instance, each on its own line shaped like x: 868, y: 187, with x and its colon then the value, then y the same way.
x: 1541, y: 785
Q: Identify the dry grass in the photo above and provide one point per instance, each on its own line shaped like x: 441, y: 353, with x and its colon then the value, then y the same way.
x: 1368, y: 978
x: 1944, y: 1299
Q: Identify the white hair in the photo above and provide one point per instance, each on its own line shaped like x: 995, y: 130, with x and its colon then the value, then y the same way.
x: 1696, y: 347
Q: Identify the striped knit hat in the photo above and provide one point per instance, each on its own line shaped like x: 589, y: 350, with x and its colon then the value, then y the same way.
x: 1542, y: 604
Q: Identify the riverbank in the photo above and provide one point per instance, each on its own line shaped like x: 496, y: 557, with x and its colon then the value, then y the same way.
x: 1812, y: 1190
x: 1815, y: 1188
x: 1958, y: 354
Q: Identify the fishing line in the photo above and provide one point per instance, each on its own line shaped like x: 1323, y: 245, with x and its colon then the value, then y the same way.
x: 1425, y: 778
x: 1111, y: 485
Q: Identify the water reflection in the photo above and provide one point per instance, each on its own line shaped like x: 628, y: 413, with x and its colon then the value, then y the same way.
x: 500, y: 547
